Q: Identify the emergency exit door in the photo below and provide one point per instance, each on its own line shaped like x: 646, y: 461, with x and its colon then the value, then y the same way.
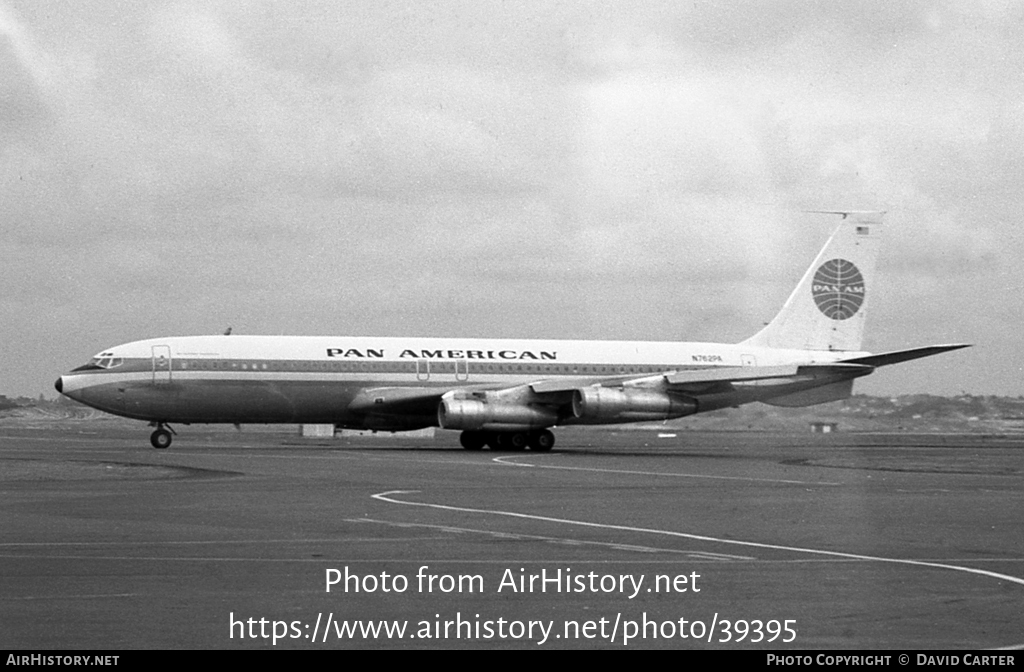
x: 161, y: 364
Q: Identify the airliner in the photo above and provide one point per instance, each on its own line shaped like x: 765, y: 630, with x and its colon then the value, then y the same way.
x: 506, y: 394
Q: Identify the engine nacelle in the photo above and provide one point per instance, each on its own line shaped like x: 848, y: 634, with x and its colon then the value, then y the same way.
x: 609, y: 405
x: 476, y: 414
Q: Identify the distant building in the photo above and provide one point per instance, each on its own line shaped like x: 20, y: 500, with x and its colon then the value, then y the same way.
x: 330, y: 431
x: 824, y: 427
x: 317, y: 431
x: 426, y: 433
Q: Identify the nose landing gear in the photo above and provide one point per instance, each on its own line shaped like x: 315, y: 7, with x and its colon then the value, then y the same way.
x: 161, y: 438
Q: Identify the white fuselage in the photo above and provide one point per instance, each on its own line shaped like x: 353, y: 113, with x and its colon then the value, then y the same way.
x: 315, y: 379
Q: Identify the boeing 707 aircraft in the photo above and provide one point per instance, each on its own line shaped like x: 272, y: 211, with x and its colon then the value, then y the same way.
x: 505, y: 394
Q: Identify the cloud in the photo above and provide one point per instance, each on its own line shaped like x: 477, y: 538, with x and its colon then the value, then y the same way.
x: 583, y: 169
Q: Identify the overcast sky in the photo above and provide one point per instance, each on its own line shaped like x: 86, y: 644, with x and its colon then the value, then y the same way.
x: 506, y: 169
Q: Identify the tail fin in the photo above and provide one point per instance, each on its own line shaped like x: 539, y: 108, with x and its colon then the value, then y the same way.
x: 827, y: 309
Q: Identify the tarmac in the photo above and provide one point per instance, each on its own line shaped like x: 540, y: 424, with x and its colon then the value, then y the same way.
x: 260, y: 539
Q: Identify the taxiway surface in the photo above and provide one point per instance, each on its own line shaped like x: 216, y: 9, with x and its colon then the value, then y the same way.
x: 796, y: 541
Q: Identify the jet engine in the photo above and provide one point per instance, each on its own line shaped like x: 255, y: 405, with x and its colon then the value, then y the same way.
x: 475, y: 414
x: 609, y: 405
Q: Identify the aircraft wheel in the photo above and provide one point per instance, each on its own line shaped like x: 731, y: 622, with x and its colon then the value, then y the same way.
x: 516, y: 441
x: 472, y: 440
x: 495, y: 440
x: 160, y: 439
x: 542, y: 441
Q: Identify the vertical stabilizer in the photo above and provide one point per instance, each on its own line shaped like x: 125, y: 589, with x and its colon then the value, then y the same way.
x: 828, y: 308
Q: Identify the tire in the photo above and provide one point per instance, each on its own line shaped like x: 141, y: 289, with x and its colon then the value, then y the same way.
x: 160, y: 439
x: 542, y: 441
x: 517, y: 441
x: 472, y: 440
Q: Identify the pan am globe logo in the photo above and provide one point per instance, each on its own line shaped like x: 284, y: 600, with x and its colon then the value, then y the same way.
x: 838, y: 289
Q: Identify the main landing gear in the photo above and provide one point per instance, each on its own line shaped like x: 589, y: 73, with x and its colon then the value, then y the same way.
x: 161, y: 438
x: 540, y: 440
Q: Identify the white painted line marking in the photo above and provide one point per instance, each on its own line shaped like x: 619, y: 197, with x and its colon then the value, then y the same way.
x: 197, y: 542
x: 68, y: 597
x: 173, y: 558
x: 557, y: 540
x: 383, y: 496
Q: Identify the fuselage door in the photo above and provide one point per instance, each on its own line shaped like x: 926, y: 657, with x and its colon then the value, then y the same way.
x: 461, y: 370
x: 161, y: 364
x: 422, y: 369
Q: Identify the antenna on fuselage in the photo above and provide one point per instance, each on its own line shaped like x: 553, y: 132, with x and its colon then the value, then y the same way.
x: 228, y: 332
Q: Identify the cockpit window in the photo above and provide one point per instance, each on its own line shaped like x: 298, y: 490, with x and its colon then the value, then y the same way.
x: 106, y: 362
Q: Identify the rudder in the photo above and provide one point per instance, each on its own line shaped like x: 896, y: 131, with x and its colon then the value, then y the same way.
x: 828, y: 308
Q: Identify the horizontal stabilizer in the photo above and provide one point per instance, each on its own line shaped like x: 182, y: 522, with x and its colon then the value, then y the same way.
x: 886, y: 358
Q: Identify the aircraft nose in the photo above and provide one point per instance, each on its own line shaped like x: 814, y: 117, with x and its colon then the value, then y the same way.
x: 59, y: 385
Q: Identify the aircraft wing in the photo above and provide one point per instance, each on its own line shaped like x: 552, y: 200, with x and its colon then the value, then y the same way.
x: 672, y: 378
x: 554, y: 385
x: 727, y: 374
x: 702, y: 378
x: 422, y: 403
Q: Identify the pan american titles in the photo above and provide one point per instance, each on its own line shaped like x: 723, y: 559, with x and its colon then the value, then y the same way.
x: 374, y: 353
